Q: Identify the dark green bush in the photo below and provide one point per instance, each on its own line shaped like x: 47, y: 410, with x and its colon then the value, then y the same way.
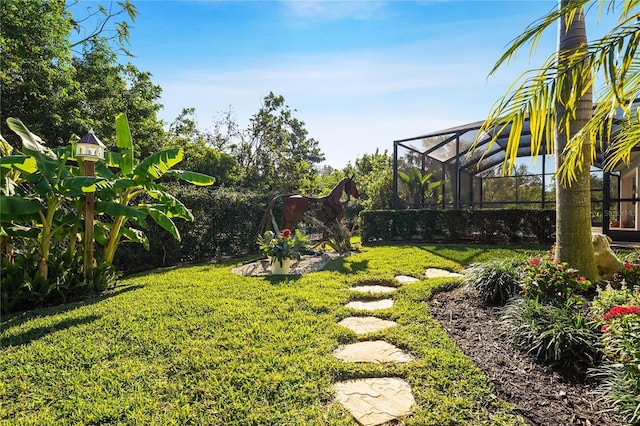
x: 225, y: 224
x: 22, y: 287
x: 496, y: 281
x: 482, y: 226
x: 555, y: 335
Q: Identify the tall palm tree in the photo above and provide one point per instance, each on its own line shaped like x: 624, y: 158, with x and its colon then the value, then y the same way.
x: 573, y: 201
x: 556, y: 100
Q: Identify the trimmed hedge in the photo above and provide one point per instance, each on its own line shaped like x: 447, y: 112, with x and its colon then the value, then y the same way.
x: 225, y: 224
x: 515, y: 226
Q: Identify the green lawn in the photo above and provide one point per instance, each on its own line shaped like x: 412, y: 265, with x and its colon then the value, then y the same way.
x: 200, y: 345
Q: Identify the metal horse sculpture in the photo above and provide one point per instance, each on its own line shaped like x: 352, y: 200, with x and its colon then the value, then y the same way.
x: 328, y: 209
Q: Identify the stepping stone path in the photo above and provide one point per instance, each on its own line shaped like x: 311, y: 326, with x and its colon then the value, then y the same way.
x: 373, y: 289
x: 377, y: 351
x: 438, y: 273
x: 371, y: 306
x: 375, y: 401
x: 405, y: 279
x: 364, y: 325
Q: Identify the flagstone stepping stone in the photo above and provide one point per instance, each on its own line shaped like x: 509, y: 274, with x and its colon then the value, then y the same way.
x: 405, y: 279
x: 375, y: 401
x: 373, y: 305
x: 363, y: 325
x: 373, y: 289
x: 377, y: 351
x: 439, y: 273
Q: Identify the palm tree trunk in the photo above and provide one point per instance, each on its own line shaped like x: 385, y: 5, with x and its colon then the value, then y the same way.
x: 573, y: 203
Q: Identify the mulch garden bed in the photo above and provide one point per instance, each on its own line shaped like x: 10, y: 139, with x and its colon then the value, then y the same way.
x: 540, y: 394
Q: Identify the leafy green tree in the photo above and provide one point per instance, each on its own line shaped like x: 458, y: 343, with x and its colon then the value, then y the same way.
x: 373, y: 174
x: 109, y: 88
x: 275, y: 152
x: 199, y: 154
x: 38, y: 79
x: 36, y: 74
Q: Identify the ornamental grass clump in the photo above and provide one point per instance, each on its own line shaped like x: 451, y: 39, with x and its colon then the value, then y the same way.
x: 619, y: 374
x: 556, y: 335
x: 496, y: 281
x: 285, y: 245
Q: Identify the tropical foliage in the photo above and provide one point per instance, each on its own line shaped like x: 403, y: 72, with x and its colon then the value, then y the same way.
x: 42, y: 196
x: 419, y: 184
x: 136, y: 181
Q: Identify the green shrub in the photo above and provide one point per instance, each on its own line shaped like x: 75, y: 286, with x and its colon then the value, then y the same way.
x: 608, y: 297
x: 225, y: 224
x: 484, y: 226
x: 620, y: 343
x: 22, y: 287
x: 496, y: 281
x: 551, y: 281
x: 556, y: 335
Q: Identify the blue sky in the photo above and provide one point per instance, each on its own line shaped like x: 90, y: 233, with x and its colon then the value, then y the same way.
x: 360, y: 74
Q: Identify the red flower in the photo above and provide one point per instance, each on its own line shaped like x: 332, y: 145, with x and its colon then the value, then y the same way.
x: 605, y: 328
x: 618, y: 311
x: 534, y: 261
x: 285, y: 233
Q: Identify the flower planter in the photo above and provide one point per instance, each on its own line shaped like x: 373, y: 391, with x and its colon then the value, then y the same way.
x: 278, y: 268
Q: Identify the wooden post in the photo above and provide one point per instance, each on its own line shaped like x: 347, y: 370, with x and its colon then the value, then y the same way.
x: 88, y: 225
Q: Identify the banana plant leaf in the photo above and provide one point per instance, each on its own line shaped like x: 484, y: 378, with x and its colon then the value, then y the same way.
x: 117, y: 209
x: 111, y: 159
x: 101, y: 232
x: 24, y: 163
x: 124, y: 141
x: 30, y: 142
x: 192, y: 177
x: 170, y: 204
x: 13, y: 207
x: 135, y: 236
x: 19, y: 231
x: 156, y: 165
x: 164, y: 221
x: 81, y: 183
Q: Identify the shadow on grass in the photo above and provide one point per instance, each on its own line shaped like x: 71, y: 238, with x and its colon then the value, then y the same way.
x: 467, y: 254
x: 346, y: 266
x: 17, y: 319
x: 30, y: 335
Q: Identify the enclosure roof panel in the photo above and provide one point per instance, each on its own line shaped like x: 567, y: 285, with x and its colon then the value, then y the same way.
x: 458, y: 129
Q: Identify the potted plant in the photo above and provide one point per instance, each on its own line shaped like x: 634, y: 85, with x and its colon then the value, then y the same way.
x: 281, y: 248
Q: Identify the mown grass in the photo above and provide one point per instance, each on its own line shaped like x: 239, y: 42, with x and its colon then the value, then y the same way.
x: 200, y: 345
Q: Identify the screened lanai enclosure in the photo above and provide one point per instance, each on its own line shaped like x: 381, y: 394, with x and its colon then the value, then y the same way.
x: 440, y: 170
